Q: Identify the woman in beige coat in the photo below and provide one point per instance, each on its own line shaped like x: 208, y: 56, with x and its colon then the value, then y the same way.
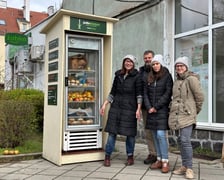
x: 186, y: 104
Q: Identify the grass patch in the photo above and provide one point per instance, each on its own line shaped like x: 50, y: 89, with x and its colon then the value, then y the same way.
x: 200, y: 153
x: 32, y: 145
x: 206, y: 152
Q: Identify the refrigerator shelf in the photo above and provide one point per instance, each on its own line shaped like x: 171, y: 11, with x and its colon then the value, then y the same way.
x: 80, y: 86
x: 71, y: 102
x: 70, y: 71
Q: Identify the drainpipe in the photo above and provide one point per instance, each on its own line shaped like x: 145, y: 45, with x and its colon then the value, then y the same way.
x: 93, y: 7
x: 13, y: 74
x: 167, y: 35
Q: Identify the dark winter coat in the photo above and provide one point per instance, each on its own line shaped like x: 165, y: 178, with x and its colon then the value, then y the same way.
x: 158, y: 95
x: 144, y: 71
x: 187, y: 101
x: 122, y: 114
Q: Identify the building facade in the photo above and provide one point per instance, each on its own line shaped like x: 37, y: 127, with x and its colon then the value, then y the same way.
x: 173, y: 28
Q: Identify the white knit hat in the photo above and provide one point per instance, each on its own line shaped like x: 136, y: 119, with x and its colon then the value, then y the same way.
x: 132, y: 58
x: 158, y: 58
x: 182, y: 60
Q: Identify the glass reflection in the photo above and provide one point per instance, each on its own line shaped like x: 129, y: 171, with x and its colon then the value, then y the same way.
x: 196, y: 48
x: 218, y: 76
x: 218, y: 11
x: 190, y: 15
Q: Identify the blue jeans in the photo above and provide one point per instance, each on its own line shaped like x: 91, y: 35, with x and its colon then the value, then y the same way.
x: 130, y: 144
x: 184, y: 141
x: 161, y: 144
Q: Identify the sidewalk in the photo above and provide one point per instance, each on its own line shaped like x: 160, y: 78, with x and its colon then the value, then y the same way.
x: 41, y: 169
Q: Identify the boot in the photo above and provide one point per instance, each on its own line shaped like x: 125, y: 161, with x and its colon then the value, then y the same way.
x: 107, y: 161
x: 165, y: 167
x: 150, y: 159
x: 156, y: 165
x: 130, y: 161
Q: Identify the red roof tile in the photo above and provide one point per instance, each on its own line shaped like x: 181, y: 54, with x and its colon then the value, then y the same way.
x: 10, y: 16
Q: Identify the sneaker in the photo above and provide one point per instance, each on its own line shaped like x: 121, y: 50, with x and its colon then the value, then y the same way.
x: 189, y: 174
x: 150, y: 159
x: 156, y: 165
x: 180, y: 171
x: 165, y: 167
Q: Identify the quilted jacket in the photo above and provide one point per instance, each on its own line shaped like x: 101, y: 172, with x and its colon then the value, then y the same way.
x: 122, y: 114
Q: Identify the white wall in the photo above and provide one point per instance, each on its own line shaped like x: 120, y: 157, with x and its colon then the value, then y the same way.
x: 38, y: 66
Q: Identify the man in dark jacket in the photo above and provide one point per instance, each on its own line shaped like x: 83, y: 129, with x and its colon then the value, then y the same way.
x: 144, y: 71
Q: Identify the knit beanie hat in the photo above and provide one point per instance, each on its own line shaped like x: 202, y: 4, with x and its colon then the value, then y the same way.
x: 182, y: 60
x: 157, y: 58
x: 132, y: 58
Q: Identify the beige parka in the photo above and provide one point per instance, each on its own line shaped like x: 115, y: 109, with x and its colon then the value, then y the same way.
x: 186, y: 102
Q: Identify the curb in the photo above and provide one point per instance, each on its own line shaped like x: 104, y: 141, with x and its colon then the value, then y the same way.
x: 19, y: 157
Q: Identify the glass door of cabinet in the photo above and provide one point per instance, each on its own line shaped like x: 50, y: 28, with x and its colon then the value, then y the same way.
x: 83, y: 83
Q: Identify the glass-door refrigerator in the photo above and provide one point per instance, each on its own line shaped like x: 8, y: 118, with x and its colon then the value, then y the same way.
x: 82, y: 125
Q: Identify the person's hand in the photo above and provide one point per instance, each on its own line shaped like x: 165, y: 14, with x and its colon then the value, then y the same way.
x: 102, y: 109
x: 152, y: 110
x: 138, y: 114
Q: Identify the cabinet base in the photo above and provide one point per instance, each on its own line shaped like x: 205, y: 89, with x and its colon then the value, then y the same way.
x: 87, y: 156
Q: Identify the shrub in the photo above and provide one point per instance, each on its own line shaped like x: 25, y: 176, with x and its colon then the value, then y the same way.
x: 21, y: 114
x: 33, y: 96
x: 15, y: 122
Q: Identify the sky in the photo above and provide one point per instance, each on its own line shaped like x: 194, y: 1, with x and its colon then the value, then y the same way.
x: 35, y: 5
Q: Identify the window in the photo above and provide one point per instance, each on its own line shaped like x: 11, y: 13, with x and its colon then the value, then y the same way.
x: 218, y: 11
x: 196, y: 48
x: 190, y: 15
x: 24, y: 27
x: 218, y: 75
x: 199, y: 34
x: 2, y: 22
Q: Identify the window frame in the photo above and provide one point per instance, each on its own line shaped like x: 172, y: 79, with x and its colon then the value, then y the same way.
x: 209, y: 125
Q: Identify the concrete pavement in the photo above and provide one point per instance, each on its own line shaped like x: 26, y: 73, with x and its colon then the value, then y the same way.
x: 41, y: 169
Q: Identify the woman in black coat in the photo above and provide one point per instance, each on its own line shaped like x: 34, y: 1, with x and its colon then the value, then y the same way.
x: 157, y: 97
x: 125, y: 99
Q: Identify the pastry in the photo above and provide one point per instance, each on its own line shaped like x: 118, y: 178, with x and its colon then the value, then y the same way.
x: 89, y: 121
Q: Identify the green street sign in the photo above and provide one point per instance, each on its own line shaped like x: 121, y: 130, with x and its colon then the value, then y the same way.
x: 87, y: 25
x: 16, y: 39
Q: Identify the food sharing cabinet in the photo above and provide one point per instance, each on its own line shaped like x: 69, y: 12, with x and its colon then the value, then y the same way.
x: 78, y: 55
